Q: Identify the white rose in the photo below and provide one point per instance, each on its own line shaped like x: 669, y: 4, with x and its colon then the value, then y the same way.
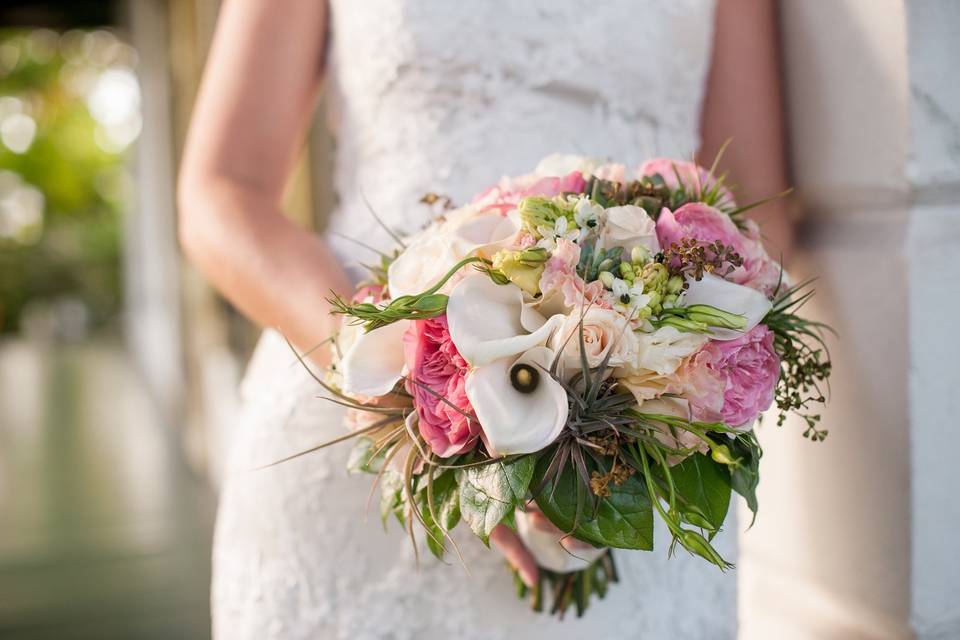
x: 628, y: 226
x: 663, y: 350
x: 422, y: 264
x: 604, y: 331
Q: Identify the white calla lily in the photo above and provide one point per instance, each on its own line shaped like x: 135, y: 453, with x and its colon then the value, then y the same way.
x: 515, y: 421
x: 730, y: 297
x: 374, y: 362
x: 545, y: 546
x: 488, y: 321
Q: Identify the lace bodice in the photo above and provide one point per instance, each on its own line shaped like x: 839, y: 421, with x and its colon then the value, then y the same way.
x: 444, y: 96
x: 434, y: 95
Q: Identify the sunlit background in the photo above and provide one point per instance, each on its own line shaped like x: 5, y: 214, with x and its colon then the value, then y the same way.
x: 119, y: 366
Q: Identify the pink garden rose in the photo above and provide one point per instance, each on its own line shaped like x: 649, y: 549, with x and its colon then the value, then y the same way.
x: 510, y: 191
x: 693, y: 178
x: 434, y: 362
x: 707, y: 225
x: 749, y: 369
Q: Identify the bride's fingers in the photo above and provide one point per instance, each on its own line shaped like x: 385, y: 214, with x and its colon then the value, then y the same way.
x: 516, y: 554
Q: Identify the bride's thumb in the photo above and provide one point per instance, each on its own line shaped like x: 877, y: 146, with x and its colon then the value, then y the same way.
x: 512, y: 548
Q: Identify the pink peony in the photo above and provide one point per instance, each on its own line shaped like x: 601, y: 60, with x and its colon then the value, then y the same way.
x: 749, y: 368
x: 694, y: 178
x: 560, y: 274
x: 435, y: 364
x: 707, y: 225
x: 506, y: 195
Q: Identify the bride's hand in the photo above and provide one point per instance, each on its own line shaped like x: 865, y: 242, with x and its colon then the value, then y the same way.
x: 519, y: 557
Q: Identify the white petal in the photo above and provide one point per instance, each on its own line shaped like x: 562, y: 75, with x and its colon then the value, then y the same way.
x: 375, y: 362
x: 727, y: 296
x: 515, y: 422
x: 485, y: 321
x: 547, y: 550
x: 485, y: 234
x: 421, y: 265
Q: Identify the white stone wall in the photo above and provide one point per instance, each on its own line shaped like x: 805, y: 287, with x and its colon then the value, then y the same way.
x: 933, y: 247
x: 855, y: 536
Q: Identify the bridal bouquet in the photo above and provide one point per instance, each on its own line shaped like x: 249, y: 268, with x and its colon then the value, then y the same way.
x: 573, y: 353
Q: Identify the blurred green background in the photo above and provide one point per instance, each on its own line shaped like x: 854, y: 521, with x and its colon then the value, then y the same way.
x: 106, y: 500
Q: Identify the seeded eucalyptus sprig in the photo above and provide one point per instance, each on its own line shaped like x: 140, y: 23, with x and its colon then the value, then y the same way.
x: 804, y: 359
x: 428, y: 304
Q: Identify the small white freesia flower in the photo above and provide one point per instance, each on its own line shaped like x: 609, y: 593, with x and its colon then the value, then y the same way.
x: 627, y: 298
x: 586, y: 213
x: 374, y: 362
x: 489, y: 321
x: 730, y: 297
x: 520, y: 407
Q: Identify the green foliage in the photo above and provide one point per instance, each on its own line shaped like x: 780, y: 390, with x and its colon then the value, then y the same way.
x: 703, y: 491
x: 745, y: 474
x: 491, y: 492
x: 569, y: 589
x: 75, y: 251
x: 804, y: 359
x: 428, y: 304
x: 623, y: 519
x: 439, y: 502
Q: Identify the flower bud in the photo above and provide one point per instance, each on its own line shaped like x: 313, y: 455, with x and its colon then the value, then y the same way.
x: 606, y: 278
x: 714, y: 317
x: 721, y: 453
x: 639, y: 254
x: 533, y: 256
x: 683, y: 324
x: 524, y: 275
x: 675, y: 284
x: 626, y: 271
x: 537, y: 211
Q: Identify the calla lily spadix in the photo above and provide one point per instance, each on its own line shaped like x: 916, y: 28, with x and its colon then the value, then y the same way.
x: 730, y: 297
x: 374, y: 362
x: 489, y: 321
x: 518, y: 418
x: 545, y: 546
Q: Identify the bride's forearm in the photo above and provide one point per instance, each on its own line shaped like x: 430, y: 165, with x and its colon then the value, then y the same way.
x: 276, y: 273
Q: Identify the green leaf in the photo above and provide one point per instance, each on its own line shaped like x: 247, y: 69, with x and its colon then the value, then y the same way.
x: 491, y: 492
x: 745, y: 475
x: 446, y: 506
x: 704, y: 490
x: 624, y: 520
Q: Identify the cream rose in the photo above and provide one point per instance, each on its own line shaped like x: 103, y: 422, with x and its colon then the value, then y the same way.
x: 604, y: 331
x: 628, y: 226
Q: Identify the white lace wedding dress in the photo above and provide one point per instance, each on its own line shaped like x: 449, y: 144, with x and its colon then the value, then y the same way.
x: 444, y: 96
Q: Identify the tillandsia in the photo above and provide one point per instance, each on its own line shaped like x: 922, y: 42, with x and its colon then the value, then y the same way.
x: 573, y: 354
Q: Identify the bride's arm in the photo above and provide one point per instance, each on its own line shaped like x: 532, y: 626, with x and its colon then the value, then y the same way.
x: 744, y: 102
x: 257, y: 96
